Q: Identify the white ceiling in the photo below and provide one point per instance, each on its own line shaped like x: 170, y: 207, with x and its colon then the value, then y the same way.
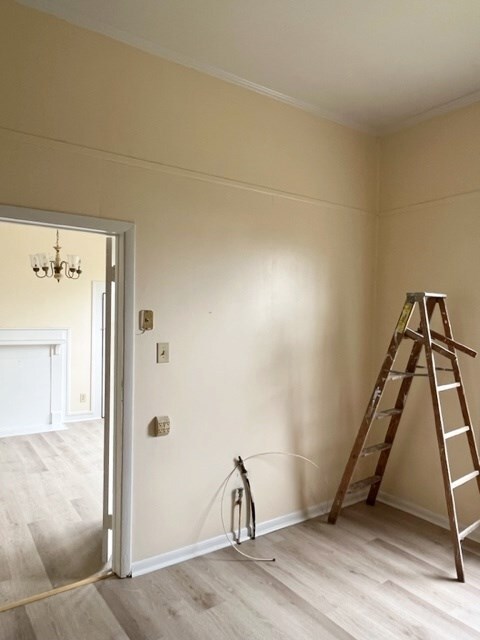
x: 376, y: 65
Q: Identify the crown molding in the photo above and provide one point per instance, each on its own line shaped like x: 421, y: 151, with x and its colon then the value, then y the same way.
x: 441, y: 109
x: 79, y: 19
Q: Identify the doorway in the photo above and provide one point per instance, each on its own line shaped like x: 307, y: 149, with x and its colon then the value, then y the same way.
x: 117, y: 466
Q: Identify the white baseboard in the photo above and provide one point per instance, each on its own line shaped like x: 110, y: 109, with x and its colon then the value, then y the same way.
x: 420, y: 512
x: 80, y: 416
x: 163, y: 560
x: 9, y: 432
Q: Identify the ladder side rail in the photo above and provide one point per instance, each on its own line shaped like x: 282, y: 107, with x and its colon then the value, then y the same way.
x: 394, y: 422
x: 399, y: 404
x: 461, y: 394
x: 370, y: 413
x: 439, y: 428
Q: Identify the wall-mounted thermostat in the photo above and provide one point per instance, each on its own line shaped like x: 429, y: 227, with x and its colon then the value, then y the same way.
x: 146, y: 320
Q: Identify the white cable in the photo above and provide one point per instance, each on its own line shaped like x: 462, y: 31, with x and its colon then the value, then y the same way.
x: 224, y: 484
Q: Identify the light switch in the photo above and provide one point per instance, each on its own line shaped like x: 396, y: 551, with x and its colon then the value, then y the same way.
x: 163, y: 352
x: 146, y: 319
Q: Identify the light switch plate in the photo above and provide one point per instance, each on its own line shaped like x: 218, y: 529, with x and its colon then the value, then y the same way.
x: 146, y: 319
x: 163, y: 352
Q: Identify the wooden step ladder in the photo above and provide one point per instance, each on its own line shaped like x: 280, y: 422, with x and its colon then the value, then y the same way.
x: 433, y: 343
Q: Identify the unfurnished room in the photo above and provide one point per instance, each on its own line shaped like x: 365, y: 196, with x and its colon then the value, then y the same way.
x: 240, y: 320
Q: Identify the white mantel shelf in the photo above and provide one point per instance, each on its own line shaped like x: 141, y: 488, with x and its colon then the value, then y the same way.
x: 33, y: 336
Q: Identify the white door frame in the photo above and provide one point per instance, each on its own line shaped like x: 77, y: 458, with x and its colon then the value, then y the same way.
x: 97, y: 357
x: 124, y: 233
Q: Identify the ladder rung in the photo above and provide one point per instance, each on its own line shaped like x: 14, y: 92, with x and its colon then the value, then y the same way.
x: 466, y: 532
x: 374, y: 448
x: 446, y: 387
x: 464, y: 479
x: 456, y: 432
x: 361, y: 484
x: 421, y: 366
x: 396, y: 375
x: 387, y: 413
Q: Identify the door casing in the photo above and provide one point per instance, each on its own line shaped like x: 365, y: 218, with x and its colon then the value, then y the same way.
x: 124, y: 233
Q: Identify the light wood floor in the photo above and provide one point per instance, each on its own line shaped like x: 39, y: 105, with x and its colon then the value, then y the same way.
x: 377, y: 574
x: 50, y: 509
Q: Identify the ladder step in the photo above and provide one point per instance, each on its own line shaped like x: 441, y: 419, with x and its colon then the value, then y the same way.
x: 419, y: 295
x: 387, y: 413
x: 374, y: 448
x: 456, y: 432
x: 464, y: 479
x: 466, y: 532
x: 396, y: 375
x: 446, y: 387
x: 361, y: 484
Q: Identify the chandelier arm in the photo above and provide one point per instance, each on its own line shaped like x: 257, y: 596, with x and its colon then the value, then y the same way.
x: 48, y: 271
x: 57, y: 268
x: 69, y: 271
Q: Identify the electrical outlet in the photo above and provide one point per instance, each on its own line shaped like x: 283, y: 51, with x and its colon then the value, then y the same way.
x: 83, y: 397
x: 161, y: 426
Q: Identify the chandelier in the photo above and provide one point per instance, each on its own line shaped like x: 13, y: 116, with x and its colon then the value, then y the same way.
x: 46, y: 267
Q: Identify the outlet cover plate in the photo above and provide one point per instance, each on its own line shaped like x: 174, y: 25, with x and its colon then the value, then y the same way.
x: 161, y: 426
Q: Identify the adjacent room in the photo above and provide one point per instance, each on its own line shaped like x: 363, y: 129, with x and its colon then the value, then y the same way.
x: 51, y: 418
x: 260, y: 195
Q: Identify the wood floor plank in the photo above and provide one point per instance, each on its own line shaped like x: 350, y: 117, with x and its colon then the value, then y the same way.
x: 80, y: 614
x: 227, y: 621
x: 143, y: 615
x: 71, y: 554
x: 430, y: 546
x: 50, y: 509
x: 26, y: 573
x: 441, y: 623
x: 197, y: 592
x: 262, y: 593
x: 372, y: 576
x: 16, y: 625
x: 433, y: 586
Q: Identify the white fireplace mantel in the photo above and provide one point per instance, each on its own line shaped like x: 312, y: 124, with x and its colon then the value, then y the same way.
x: 30, y: 400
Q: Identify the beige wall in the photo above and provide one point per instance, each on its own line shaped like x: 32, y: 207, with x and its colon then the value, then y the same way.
x: 255, y: 248
x: 256, y: 241
x: 32, y: 303
x: 428, y: 240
